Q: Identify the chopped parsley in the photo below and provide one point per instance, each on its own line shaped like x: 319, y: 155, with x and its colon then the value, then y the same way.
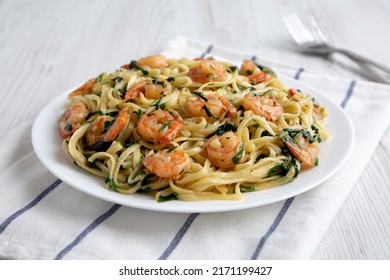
x: 117, y: 79
x: 232, y: 69
x: 157, y: 82
x: 134, y: 65
x: 68, y: 127
x: 172, y: 196
x: 200, y: 94
x: 247, y: 189
x: 238, y: 156
x: 107, y: 124
x: 209, y: 114
x: 158, y: 104
x: 100, y: 77
x: 139, y: 113
x: 223, y: 128
x: 170, y: 149
x: 289, y: 135
x: 279, y: 168
x: 111, y: 183
x: 210, y: 76
x: 165, y: 125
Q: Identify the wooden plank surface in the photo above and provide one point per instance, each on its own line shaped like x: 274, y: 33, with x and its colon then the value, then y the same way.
x: 47, y: 46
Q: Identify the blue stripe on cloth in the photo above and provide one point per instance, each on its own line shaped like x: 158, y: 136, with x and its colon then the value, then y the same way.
x: 253, y: 58
x: 90, y: 228
x: 349, y: 94
x: 289, y: 201
x: 282, y: 211
x: 184, y: 228
x: 298, y: 74
x: 208, y: 50
x: 274, y: 225
x: 179, y: 235
x: 34, y: 202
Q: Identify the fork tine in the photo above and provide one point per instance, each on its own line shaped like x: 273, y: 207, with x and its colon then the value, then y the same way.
x: 299, y: 25
x: 316, y: 29
x: 297, y: 30
x: 289, y: 22
x: 313, y: 40
x: 291, y: 27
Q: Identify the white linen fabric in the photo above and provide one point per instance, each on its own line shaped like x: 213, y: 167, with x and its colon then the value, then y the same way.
x: 43, y: 218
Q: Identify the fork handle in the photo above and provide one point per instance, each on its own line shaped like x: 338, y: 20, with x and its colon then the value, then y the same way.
x: 373, y: 73
x: 375, y: 69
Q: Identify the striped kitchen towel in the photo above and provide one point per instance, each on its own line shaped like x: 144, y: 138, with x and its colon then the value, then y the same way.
x: 43, y: 218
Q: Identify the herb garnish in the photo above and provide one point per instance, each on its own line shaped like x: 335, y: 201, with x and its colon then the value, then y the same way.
x: 139, y: 113
x: 209, y: 114
x: 223, y: 128
x: 111, y: 183
x: 117, y: 79
x: 158, y: 104
x: 172, y: 196
x: 68, y: 127
x: 107, y: 125
x: 232, y: 69
x: 238, y: 156
x: 200, y: 94
x: 166, y: 124
x: 134, y: 65
x: 157, y: 82
x: 100, y: 77
x: 247, y: 189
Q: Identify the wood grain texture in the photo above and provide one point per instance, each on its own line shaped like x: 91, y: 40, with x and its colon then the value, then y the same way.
x: 48, y: 46
x: 359, y: 230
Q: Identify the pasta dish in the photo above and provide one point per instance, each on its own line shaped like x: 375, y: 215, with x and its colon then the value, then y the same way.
x: 192, y: 129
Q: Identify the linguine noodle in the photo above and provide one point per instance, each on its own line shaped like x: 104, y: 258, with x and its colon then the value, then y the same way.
x: 192, y: 129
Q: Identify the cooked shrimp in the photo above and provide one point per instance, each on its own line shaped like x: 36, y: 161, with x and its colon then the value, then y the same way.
x: 86, y: 88
x: 152, y: 88
x: 135, y: 90
x: 264, y: 106
x: 253, y: 72
x: 72, y: 119
x: 319, y: 110
x: 168, y: 164
x: 306, y: 152
x: 207, y: 71
x: 160, y: 127
x: 224, y: 151
x: 211, y: 107
x: 98, y: 131
x: 153, y: 61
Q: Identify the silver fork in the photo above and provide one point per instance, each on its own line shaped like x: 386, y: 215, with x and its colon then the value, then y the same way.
x: 308, y: 35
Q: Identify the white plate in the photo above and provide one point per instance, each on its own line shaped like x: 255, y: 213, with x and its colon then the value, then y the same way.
x: 333, y: 152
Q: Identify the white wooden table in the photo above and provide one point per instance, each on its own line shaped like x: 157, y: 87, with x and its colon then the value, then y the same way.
x: 47, y: 46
